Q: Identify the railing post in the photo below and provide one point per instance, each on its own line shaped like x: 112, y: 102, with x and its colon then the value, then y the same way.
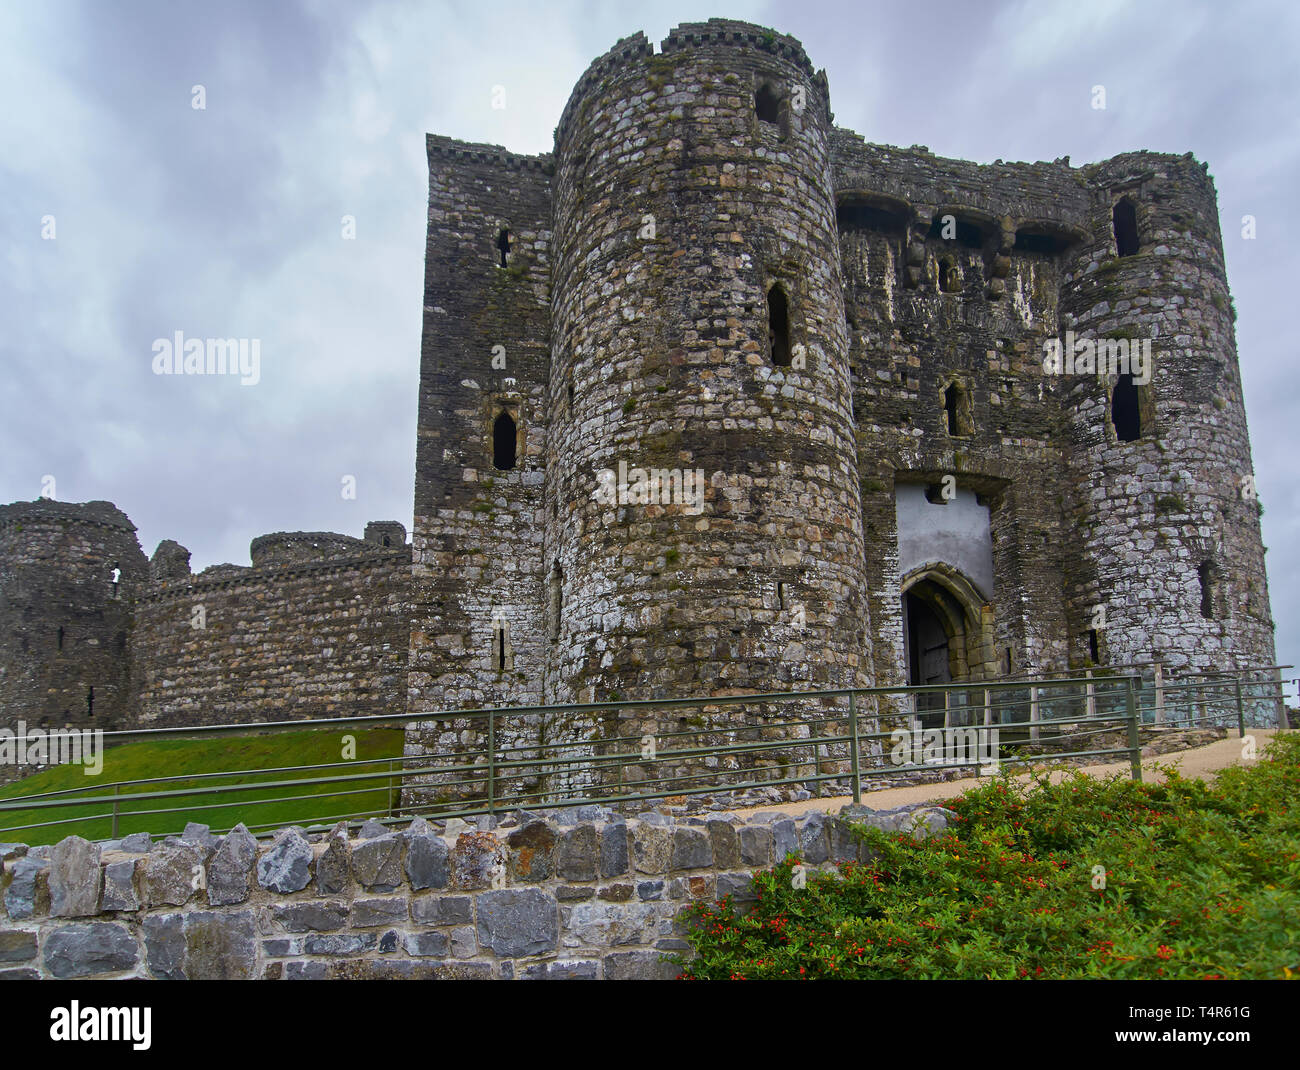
x: 1090, y: 705
x: 1241, y: 709
x: 391, y: 805
x: 855, y: 764
x: 1160, y: 692
x: 491, y: 761
x: 117, y: 790
x: 1134, y: 744
x: 947, y: 709
x: 1033, y: 712
x: 988, y: 709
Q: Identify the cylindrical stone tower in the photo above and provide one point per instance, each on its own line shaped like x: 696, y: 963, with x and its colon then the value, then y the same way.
x: 1168, y: 562
x: 68, y: 576
x: 698, y: 330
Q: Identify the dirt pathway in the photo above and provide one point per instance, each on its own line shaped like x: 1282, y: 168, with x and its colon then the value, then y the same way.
x: 1200, y: 762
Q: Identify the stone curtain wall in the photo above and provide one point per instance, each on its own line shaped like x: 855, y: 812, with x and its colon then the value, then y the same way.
x: 312, y: 639
x: 584, y: 894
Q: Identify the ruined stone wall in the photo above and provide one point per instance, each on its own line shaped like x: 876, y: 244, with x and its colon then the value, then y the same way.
x: 320, y: 638
x: 586, y: 894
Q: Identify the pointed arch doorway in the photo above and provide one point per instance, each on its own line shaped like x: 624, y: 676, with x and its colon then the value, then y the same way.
x: 947, y: 632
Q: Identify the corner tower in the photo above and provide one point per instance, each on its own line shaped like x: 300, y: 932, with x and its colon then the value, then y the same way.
x: 1168, y: 562
x: 698, y: 329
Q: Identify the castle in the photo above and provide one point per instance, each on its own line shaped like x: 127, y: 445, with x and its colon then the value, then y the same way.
x: 715, y: 398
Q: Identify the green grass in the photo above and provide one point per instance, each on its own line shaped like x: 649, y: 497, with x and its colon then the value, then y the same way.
x: 185, y: 757
x: 1085, y: 879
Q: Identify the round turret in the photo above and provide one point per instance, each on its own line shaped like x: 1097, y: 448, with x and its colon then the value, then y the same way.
x: 69, y: 575
x: 702, y: 491
x: 1168, y: 558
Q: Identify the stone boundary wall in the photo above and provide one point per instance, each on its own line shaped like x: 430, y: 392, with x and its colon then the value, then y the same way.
x: 580, y: 894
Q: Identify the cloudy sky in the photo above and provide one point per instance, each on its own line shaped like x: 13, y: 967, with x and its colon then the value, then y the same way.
x: 226, y: 221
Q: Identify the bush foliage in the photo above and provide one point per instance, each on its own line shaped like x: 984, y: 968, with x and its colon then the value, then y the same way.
x: 1200, y: 881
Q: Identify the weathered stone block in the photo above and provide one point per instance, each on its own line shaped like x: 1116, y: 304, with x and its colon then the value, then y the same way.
x: 230, y: 869
x: 370, y: 912
x: 814, y: 845
x: 571, y: 970
x: 464, y: 942
x: 428, y: 862
x: 311, y: 916
x: 474, y: 859
x: 120, y: 891
x: 514, y: 922
x: 90, y: 948
x: 335, y: 862
x: 377, y: 862
x: 652, y: 847
x: 339, y: 944
x: 286, y: 867
x: 578, y: 853
x: 737, y: 885
x: 443, y: 910
x: 638, y: 966
x: 28, y: 893
x: 531, y: 852
x: 16, y: 946
x: 74, y: 878
x: 426, y: 945
x: 613, y: 850
x: 173, y: 872
x: 785, y: 839
x: 755, y: 846
x: 220, y: 947
x: 692, y: 849
x: 725, y: 842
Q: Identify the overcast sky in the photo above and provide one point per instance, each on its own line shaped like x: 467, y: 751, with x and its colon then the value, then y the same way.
x: 226, y: 221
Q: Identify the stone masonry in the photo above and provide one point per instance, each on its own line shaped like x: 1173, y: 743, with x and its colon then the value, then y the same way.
x: 584, y: 894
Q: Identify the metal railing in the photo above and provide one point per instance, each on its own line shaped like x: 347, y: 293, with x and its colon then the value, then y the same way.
x: 620, y: 753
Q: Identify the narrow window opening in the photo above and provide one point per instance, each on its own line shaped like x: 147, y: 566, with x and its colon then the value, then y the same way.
x: 1006, y: 662
x: 780, y: 596
x: 61, y: 633
x: 386, y: 541
x: 778, y: 326
x: 1094, y: 651
x: 949, y: 276
x: 1125, y: 410
x: 503, y: 245
x: 767, y: 105
x: 504, y: 442
x: 1124, y: 218
x: 1208, y: 575
x: 956, y: 409
x: 500, y: 644
x: 555, y: 591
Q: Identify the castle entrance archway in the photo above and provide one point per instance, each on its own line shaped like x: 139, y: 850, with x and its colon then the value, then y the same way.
x: 947, y: 633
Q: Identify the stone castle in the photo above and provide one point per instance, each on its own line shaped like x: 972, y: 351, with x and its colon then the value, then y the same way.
x: 718, y: 397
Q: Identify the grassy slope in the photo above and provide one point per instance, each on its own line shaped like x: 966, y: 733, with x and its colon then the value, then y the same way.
x: 181, y: 757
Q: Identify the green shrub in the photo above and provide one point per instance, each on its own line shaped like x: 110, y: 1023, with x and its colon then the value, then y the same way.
x: 1200, y: 882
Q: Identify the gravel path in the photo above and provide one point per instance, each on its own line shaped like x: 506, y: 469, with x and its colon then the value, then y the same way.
x: 1201, y: 762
